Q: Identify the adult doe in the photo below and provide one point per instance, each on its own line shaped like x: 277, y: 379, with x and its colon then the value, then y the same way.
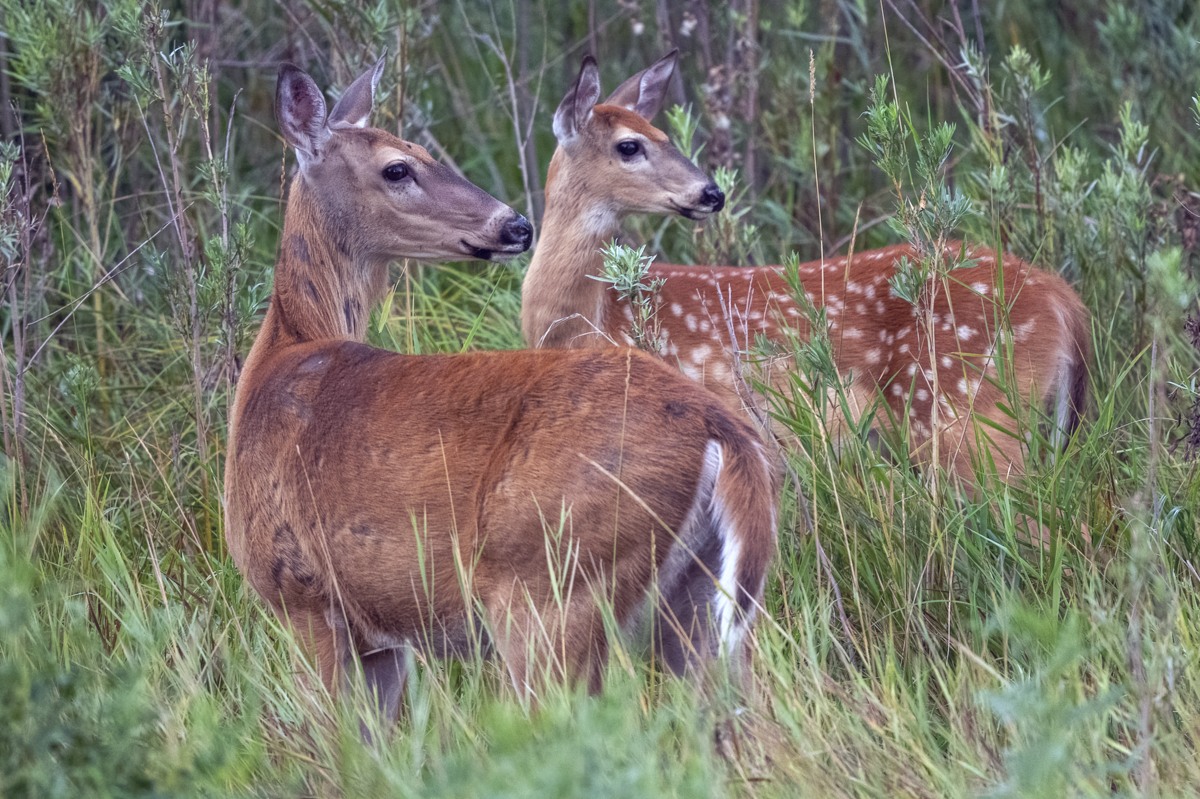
x: 380, y: 501
x: 937, y: 370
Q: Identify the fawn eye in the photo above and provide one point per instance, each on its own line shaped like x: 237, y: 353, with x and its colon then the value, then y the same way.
x: 629, y: 148
x: 395, y: 172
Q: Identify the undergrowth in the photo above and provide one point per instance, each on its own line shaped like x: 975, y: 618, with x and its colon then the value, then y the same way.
x: 915, y: 644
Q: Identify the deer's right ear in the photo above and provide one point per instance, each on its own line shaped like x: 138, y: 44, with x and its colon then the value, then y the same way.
x: 300, y: 109
x: 353, y: 110
x: 575, y: 109
x: 645, y: 92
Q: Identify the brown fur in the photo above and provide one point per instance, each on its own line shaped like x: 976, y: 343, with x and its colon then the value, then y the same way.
x: 379, y: 501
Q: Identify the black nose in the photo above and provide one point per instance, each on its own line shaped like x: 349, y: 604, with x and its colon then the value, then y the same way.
x: 517, y: 231
x: 713, y: 196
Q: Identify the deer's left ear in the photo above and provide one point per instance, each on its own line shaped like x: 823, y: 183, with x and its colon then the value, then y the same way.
x: 353, y: 110
x: 646, y: 91
x: 300, y: 109
x: 575, y: 109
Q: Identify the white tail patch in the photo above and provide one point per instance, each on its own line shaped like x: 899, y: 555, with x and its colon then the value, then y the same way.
x: 1062, y: 411
x: 1063, y: 408
x: 731, y: 626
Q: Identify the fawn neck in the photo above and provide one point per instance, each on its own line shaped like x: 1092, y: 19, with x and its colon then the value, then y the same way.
x: 322, y: 291
x: 574, y: 228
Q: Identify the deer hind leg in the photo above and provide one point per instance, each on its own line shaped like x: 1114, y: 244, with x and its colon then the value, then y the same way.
x: 326, y: 643
x: 978, y: 448
x: 548, y: 642
x: 326, y: 640
x: 685, y: 633
x: 385, y: 672
x: 982, y: 443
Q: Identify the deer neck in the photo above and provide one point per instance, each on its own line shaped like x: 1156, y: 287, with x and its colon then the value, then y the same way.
x: 322, y: 291
x: 561, y: 304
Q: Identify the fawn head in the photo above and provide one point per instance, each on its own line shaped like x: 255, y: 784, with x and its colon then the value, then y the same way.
x: 627, y: 164
x: 378, y: 197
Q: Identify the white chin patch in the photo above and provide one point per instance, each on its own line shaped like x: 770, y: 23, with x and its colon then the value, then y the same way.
x: 599, y: 222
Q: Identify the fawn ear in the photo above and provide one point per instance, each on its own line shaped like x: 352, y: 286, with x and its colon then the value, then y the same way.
x: 645, y: 92
x: 353, y: 110
x: 300, y: 110
x: 576, y: 108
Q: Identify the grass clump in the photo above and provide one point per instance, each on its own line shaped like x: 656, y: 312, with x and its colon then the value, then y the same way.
x: 914, y: 645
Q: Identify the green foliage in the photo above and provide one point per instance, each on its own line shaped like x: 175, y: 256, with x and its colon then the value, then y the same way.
x: 82, y: 719
x: 1051, y: 723
x: 682, y: 125
x: 915, y: 644
x: 663, y: 755
x: 627, y: 271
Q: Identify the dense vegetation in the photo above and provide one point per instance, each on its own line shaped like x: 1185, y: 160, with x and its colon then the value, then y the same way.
x: 915, y: 647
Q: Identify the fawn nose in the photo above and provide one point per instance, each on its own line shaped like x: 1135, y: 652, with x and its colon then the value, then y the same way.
x: 517, y: 231
x: 712, y: 196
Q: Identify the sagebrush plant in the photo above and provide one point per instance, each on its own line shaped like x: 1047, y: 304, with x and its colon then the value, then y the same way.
x: 627, y: 271
x: 911, y: 645
x: 928, y: 214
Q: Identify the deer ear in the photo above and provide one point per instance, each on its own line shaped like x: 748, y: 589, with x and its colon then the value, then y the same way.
x: 353, y: 110
x: 645, y: 92
x: 300, y: 110
x: 575, y: 109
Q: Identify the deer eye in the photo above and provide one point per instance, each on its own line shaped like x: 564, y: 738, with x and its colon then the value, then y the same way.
x: 629, y: 148
x: 395, y: 172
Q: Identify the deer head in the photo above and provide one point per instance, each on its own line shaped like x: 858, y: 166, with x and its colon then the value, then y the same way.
x: 625, y: 163
x: 376, y: 193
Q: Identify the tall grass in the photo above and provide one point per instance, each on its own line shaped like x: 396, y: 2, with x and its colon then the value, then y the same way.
x: 915, y: 644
